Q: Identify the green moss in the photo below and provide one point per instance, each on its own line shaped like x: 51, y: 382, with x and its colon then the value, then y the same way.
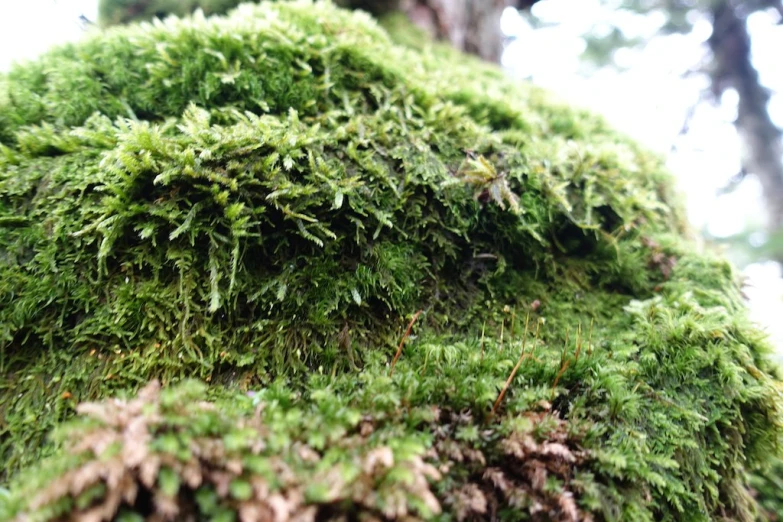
x: 263, y: 201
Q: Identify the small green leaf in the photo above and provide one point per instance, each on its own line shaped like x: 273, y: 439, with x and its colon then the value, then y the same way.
x: 129, y: 516
x: 207, y: 500
x: 241, y: 489
x: 234, y: 210
x: 90, y: 495
x: 224, y: 515
x: 318, y: 493
x: 169, y: 482
x: 146, y: 231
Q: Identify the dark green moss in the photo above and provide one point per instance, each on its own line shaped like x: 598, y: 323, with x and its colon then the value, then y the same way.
x: 263, y: 201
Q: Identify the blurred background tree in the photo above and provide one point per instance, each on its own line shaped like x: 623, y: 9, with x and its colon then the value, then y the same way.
x: 699, y: 81
x: 728, y: 64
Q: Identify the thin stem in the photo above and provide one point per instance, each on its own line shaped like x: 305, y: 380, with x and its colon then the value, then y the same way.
x: 483, y: 326
x: 402, y: 341
x: 502, y: 327
x: 590, y: 338
x: 563, y: 366
x: 514, y: 371
x: 578, y: 343
x: 513, y: 323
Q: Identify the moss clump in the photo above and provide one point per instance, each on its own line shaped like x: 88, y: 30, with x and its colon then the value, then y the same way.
x: 265, y: 201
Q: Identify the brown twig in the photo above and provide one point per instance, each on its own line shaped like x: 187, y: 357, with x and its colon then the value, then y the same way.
x: 535, y: 340
x: 514, y: 371
x: 402, y: 341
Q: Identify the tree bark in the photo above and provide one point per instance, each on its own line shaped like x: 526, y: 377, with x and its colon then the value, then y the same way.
x: 472, y: 26
x: 730, y: 44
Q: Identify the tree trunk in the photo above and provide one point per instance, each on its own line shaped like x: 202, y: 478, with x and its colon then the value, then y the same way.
x: 472, y: 26
x: 730, y: 44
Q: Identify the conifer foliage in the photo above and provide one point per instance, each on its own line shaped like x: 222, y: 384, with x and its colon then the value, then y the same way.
x: 280, y: 202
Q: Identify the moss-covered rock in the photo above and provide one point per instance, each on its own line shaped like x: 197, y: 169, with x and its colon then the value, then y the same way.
x: 449, y: 295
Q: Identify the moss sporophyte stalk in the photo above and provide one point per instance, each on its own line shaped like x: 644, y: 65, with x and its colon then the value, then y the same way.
x: 290, y: 269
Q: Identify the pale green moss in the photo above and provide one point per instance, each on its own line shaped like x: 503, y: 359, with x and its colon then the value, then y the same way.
x: 263, y: 201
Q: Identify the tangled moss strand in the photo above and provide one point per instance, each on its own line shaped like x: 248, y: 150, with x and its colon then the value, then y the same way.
x: 263, y: 201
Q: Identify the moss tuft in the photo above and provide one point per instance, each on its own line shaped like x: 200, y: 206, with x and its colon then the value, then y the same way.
x: 265, y: 201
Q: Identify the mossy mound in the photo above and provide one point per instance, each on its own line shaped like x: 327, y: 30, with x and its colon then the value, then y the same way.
x: 279, y: 200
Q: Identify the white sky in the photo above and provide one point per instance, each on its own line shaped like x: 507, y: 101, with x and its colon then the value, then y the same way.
x: 29, y: 27
x: 648, y: 100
